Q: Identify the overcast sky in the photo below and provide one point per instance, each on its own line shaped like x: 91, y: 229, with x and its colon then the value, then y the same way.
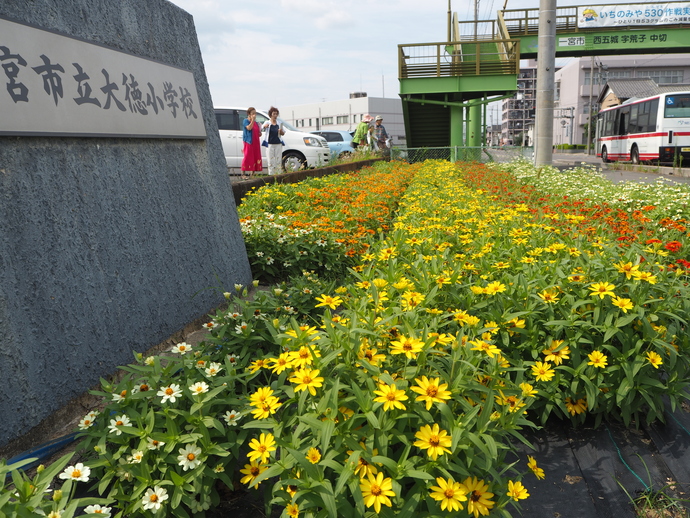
x: 289, y: 52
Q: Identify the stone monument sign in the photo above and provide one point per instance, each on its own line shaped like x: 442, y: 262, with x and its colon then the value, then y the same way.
x: 116, y: 211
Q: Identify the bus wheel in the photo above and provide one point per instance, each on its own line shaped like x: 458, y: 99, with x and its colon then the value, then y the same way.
x: 635, y: 155
x: 605, y: 155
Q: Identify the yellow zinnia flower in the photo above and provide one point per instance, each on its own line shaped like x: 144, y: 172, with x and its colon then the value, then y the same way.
x: 532, y: 465
x: 375, y: 490
x: 542, y: 371
x: 517, y: 491
x: 390, y: 396
x: 434, y: 440
x: 602, y: 289
x: 307, y: 379
x: 292, y: 510
x: 624, y: 304
x: 449, y: 493
x: 431, y: 391
x: 251, y: 471
x: 262, y: 448
x: 575, y: 407
x: 549, y: 296
x: 490, y: 349
x: 653, y: 358
x: 556, y: 353
x: 407, y: 346
x: 313, y: 455
x: 479, y: 501
x: 327, y: 300
x: 597, y: 359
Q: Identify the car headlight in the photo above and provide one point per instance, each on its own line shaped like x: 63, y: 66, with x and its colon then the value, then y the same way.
x: 311, y: 141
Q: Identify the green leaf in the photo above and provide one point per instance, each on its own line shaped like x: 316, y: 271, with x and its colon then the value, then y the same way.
x: 327, y: 433
x: 326, y: 493
x: 347, y: 472
x: 176, y: 478
x: 373, y: 420
x: 422, y: 475
x: 389, y: 463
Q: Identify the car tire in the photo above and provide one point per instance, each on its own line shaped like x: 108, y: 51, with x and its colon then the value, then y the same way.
x: 294, y: 161
x: 605, y: 155
x: 635, y: 155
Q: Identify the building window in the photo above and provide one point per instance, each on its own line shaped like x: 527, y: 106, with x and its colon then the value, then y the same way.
x: 326, y: 120
x: 310, y: 123
x: 557, y: 94
x: 342, y: 119
x: 605, y: 75
x: 662, y: 77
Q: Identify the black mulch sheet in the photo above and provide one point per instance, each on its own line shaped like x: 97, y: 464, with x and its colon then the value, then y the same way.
x: 586, y: 470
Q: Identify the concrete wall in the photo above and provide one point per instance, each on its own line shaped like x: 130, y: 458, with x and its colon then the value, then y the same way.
x: 107, y: 245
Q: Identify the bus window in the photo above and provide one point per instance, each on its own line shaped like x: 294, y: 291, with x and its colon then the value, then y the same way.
x: 677, y: 106
x: 632, y: 125
x: 643, y: 116
x: 609, y: 121
x: 653, y: 110
x: 623, y: 120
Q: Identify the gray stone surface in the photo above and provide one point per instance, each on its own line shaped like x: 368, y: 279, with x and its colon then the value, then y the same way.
x: 107, y: 245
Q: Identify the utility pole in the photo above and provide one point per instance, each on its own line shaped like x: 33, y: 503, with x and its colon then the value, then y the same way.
x: 476, y: 18
x: 449, y: 21
x: 546, y: 63
x: 591, y: 91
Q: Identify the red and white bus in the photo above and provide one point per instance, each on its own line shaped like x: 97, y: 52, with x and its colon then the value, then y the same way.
x: 651, y: 129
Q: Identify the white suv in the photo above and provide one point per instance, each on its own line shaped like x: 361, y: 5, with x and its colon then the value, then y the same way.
x: 301, y: 149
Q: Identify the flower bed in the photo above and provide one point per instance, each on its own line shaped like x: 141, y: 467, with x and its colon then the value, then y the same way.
x: 320, y: 224
x: 402, y: 391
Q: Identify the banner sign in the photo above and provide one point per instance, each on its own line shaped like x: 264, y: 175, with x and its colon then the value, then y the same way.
x: 633, y: 14
x: 57, y: 85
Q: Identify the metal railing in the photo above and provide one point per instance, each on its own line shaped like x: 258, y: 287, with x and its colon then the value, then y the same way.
x: 459, y: 58
x: 482, y: 154
x: 522, y: 22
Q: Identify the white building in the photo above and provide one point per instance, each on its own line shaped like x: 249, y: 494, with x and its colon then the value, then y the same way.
x: 346, y: 114
x: 576, y: 92
x: 518, y: 111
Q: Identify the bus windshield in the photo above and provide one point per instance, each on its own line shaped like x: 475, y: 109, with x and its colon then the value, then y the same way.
x: 677, y: 106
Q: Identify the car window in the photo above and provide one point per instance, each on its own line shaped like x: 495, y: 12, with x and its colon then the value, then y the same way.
x: 228, y: 120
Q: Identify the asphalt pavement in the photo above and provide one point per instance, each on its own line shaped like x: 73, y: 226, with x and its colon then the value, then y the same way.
x: 622, y: 171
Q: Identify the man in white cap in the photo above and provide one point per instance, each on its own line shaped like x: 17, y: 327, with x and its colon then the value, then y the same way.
x: 381, y: 136
x: 362, y: 131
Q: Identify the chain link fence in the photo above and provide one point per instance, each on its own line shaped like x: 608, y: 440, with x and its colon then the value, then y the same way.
x: 465, y: 154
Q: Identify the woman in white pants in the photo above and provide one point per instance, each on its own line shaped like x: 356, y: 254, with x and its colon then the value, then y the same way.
x: 273, y: 130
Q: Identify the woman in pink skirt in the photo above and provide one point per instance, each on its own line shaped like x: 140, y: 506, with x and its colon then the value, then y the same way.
x: 251, y: 136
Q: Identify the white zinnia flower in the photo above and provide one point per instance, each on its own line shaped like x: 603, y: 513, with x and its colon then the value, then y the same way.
x: 88, y: 420
x: 153, y: 444
x: 171, y: 392
x: 154, y: 498
x: 232, y: 417
x: 189, y: 457
x: 213, y: 369
x: 198, y: 388
x: 78, y: 472
x: 97, y: 509
x: 182, y: 348
x: 122, y: 420
x: 136, y: 457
